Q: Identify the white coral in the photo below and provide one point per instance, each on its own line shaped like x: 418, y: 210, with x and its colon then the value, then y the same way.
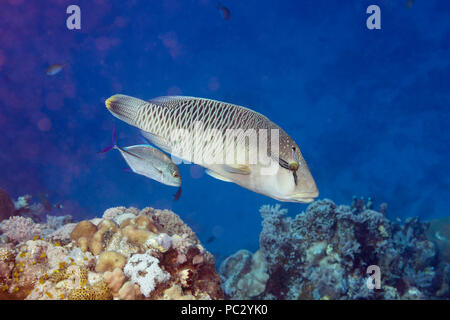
x: 143, y: 269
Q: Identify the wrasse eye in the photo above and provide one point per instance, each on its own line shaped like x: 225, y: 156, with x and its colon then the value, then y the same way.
x: 294, y: 149
x: 293, y: 166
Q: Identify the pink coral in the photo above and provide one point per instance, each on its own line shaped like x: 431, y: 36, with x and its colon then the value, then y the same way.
x: 19, y: 229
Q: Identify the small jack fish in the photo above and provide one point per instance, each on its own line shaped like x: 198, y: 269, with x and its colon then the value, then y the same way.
x: 149, y: 162
x: 161, y: 120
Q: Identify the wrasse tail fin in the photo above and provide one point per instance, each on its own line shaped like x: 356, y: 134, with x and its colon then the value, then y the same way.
x: 124, y: 107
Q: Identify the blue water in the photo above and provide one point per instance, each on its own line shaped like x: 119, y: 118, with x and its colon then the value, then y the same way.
x: 370, y: 109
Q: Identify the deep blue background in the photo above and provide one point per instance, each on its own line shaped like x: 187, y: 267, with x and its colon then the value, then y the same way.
x: 370, y: 109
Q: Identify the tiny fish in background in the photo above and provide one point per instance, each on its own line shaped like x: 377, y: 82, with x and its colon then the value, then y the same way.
x: 149, y: 162
x: 409, y: 3
x: 54, y: 69
x: 225, y: 11
x: 58, y: 205
x: 210, y: 239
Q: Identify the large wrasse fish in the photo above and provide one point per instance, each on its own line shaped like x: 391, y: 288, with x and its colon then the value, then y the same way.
x: 150, y: 162
x: 285, y: 176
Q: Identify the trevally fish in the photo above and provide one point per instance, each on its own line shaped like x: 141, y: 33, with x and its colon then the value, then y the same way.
x: 163, y: 119
x: 149, y: 162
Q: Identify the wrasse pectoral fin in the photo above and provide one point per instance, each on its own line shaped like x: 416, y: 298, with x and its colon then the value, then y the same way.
x: 295, y: 176
x: 158, y: 141
x: 238, y: 169
x: 217, y: 176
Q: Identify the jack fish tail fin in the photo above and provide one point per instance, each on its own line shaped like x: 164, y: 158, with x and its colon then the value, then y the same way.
x: 113, y: 144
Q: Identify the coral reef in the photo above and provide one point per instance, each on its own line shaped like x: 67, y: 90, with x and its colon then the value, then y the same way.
x: 18, y: 229
x: 127, y: 254
x: 325, y: 253
x: 439, y: 233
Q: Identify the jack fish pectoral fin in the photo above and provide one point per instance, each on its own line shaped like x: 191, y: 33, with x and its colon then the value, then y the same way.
x: 217, y: 176
x: 237, y: 169
x: 158, y: 141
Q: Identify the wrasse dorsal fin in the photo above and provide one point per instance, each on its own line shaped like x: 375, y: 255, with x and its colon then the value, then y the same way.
x: 170, y: 101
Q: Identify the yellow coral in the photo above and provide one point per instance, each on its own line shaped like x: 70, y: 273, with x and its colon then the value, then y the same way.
x: 99, y: 291
x: 85, y: 229
x: 83, y: 243
x: 135, y: 235
x: 110, y: 260
x: 85, y: 293
x: 114, y: 279
x: 102, y: 292
x: 100, y: 239
x: 108, y: 225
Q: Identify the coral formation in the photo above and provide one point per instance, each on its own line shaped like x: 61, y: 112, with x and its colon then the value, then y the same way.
x: 439, y: 233
x: 126, y: 254
x: 110, y: 260
x: 19, y: 229
x: 325, y: 252
x: 144, y: 270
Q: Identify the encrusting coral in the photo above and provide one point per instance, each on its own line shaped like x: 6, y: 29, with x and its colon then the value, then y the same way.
x: 127, y: 254
x: 325, y: 252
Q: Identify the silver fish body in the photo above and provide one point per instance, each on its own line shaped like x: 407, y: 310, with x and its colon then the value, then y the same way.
x: 151, y: 163
x: 209, y: 122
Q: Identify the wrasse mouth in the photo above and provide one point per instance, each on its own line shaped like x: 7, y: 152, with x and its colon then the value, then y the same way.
x: 305, y: 197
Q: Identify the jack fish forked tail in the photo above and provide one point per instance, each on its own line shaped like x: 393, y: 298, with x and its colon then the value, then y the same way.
x: 160, y: 117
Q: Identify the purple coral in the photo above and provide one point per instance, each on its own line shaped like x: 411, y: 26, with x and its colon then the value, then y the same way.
x: 19, y: 229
